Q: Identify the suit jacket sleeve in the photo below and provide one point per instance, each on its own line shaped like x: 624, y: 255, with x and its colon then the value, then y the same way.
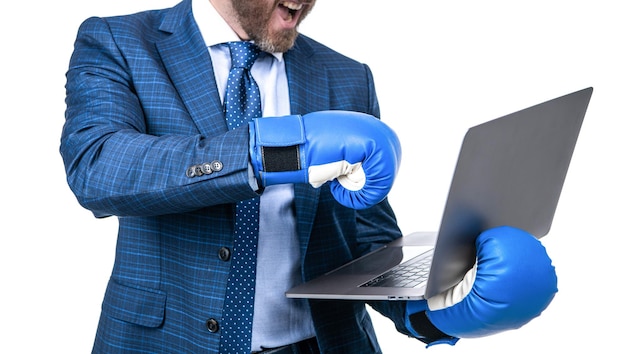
x: 127, y: 144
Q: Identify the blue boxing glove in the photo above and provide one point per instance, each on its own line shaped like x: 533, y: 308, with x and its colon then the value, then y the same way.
x: 357, y: 152
x: 512, y: 282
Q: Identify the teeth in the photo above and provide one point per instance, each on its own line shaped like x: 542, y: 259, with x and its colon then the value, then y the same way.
x: 292, y: 5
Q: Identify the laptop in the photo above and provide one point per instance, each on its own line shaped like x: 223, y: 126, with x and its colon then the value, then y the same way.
x: 510, y: 171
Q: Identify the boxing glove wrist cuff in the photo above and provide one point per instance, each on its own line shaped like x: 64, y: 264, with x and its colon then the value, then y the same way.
x: 427, y: 331
x: 275, y: 144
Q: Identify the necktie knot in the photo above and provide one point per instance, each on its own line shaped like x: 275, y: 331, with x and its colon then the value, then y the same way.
x: 242, y: 100
x: 243, y: 54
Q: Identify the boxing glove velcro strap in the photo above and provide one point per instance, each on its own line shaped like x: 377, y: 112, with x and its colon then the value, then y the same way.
x: 281, y: 158
x: 430, y: 334
x: 275, y: 144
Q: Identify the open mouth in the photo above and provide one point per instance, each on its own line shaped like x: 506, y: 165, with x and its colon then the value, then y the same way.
x: 290, y: 9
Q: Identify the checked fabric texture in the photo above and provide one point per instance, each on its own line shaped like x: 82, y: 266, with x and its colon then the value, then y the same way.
x: 242, y: 102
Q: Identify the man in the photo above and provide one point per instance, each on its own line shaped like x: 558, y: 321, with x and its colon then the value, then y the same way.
x: 146, y: 139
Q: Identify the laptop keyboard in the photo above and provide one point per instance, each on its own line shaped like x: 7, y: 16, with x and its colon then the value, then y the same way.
x: 409, y: 274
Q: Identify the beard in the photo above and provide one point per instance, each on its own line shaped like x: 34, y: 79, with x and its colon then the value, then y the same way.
x: 254, y: 17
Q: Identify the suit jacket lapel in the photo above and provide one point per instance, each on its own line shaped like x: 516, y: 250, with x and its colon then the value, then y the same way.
x: 308, y: 82
x: 188, y: 63
x: 308, y: 88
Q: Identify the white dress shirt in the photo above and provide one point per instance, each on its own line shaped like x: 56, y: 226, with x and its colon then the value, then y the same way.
x: 277, y: 320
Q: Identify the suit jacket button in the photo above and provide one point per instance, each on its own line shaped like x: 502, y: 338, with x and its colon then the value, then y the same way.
x: 198, y: 170
x: 212, y: 325
x: 224, y: 254
x: 206, y: 168
x: 216, y: 165
x: 191, y: 171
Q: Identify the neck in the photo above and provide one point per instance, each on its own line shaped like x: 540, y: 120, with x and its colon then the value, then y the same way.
x: 225, y: 9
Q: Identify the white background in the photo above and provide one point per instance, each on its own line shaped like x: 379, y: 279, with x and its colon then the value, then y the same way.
x: 461, y: 63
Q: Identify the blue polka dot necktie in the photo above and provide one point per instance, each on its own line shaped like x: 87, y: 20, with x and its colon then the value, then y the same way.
x: 242, y: 102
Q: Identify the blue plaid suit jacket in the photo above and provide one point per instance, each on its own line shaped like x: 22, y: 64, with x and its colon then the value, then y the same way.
x: 142, y: 106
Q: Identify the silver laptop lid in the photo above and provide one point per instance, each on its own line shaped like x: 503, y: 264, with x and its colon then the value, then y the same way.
x: 497, y: 164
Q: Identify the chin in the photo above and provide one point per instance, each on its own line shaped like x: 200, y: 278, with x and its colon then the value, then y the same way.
x: 278, y: 43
